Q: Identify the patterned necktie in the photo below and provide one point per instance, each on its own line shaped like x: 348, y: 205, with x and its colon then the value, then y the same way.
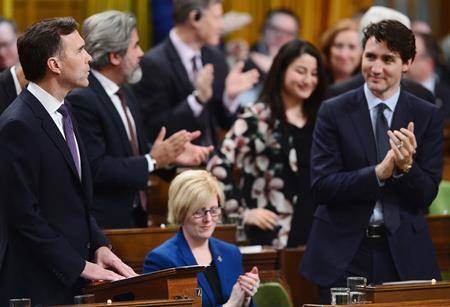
x: 70, y: 136
x: 390, y: 206
x: 133, y: 141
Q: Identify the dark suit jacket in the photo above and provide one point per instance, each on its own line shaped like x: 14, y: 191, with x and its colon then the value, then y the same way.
x: 7, y: 89
x: 165, y: 86
x: 442, y: 93
x: 358, y: 80
x: 175, y: 252
x: 49, y: 231
x: 345, y: 187
x: 117, y: 174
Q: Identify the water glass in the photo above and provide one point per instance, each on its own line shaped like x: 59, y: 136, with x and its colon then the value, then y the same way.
x: 354, y: 283
x: 340, y: 296
x: 20, y: 302
x: 84, y: 299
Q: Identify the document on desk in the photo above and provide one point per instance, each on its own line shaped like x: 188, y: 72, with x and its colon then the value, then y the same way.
x: 409, y: 282
x: 251, y: 249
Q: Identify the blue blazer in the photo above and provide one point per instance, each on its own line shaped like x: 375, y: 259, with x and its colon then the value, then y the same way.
x: 175, y: 252
x: 345, y: 187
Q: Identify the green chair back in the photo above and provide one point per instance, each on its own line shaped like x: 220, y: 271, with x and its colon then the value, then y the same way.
x: 441, y: 204
x: 272, y: 294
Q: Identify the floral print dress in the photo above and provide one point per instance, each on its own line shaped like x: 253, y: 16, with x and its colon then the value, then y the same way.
x: 266, y: 161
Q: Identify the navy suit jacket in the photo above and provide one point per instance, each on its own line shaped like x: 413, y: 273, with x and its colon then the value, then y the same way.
x: 162, y: 93
x: 47, y: 233
x: 7, y: 89
x: 117, y: 174
x: 345, y: 187
x: 175, y: 252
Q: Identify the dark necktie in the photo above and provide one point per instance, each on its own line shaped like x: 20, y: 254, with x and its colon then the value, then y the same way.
x: 381, y: 129
x: 390, y: 207
x: 194, y: 67
x: 133, y: 141
x: 70, y: 136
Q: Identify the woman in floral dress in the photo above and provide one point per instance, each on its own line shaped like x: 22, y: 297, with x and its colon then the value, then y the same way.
x: 268, y: 147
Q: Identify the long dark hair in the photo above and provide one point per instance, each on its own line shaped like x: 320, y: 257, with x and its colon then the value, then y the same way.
x: 271, y: 93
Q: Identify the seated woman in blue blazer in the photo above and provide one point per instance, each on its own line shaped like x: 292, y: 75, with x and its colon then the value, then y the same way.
x: 195, y: 200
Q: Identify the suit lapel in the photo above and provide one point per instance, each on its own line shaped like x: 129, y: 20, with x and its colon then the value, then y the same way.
x: 103, y: 96
x: 220, y: 262
x: 178, y: 67
x: 402, y: 113
x: 189, y: 259
x: 51, y: 130
x: 358, y: 111
x: 10, y: 89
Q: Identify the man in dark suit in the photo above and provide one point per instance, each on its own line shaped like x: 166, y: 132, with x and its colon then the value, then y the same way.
x: 424, y: 71
x: 50, y: 244
x: 111, y: 129
x: 12, y: 81
x: 8, y: 46
x: 185, y: 83
x: 375, y: 167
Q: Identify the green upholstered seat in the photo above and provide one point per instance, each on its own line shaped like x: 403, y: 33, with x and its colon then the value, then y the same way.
x: 271, y: 294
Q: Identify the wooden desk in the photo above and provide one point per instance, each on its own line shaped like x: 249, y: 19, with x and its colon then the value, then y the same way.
x: 140, y: 303
x: 409, y: 292
x: 427, y: 303
x: 439, y: 227
x: 174, y: 283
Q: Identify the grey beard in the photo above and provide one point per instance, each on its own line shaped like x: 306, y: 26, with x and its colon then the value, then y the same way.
x: 135, y: 76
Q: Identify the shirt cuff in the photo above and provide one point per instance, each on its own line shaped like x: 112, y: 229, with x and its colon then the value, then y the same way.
x: 230, y: 105
x: 150, y: 163
x: 195, y: 106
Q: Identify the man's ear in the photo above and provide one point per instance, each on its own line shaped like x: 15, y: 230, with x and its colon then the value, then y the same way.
x: 115, y: 58
x: 54, y: 64
x: 406, y: 65
x: 194, y: 16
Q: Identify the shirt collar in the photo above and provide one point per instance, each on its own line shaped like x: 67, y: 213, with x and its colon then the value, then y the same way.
x: 430, y: 83
x: 374, y: 101
x: 50, y: 103
x: 110, y: 87
x: 185, y: 52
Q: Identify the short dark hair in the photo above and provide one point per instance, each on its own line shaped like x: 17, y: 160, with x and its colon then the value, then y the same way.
x: 40, y: 42
x: 396, y: 35
x: 182, y: 8
x: 274, y: 83
x: 284, y: 11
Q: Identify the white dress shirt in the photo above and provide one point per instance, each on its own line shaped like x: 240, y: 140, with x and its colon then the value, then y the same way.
x: 111, y: 89
x: 51, y: 105
x: 186, y: 53
x: 373, y: 102
x: 16, y: 80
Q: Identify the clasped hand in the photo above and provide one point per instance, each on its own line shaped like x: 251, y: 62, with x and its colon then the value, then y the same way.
x: 400, y: 156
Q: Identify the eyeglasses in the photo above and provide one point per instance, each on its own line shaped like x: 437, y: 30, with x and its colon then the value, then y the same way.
x: 214, y: 211
x: 279, y: 31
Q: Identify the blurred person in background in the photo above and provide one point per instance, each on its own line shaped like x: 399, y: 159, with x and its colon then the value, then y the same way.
x: 186, y: 83
x: 424, y: 70
x: 8, y: 44
x: 269, y: 146
x: 341, y: 47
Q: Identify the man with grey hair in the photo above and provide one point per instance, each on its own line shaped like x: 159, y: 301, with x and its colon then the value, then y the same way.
x: 8, y: 44
x: 185, y: 83
x: 374, y: 15
x: 110, y: 124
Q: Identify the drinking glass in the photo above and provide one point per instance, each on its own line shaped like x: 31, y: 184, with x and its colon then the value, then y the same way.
x: 340, y: 296
x: 354, y: 283
x: 20, y: 302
